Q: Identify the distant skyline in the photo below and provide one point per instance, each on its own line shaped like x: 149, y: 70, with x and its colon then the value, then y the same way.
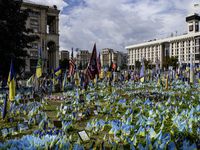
x: 118, y: 23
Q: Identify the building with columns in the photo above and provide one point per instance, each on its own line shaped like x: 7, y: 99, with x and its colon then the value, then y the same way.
x: 44, y: 20
x: 108, y: 56
x: 181, y: 46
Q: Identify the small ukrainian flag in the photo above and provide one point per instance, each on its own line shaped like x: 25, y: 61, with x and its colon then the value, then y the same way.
x: 11, y: 82
x: 196, y: 5
x: 57, y: 71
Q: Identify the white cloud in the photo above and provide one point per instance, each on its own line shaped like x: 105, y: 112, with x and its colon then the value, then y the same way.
x: 59, y: 3
x: 119, y: 23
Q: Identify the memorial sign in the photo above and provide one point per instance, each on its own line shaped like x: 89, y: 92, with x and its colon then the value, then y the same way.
x: 4, y: 132
x: 38, y: 118
x: 12, y: 129
x: 83, y: 135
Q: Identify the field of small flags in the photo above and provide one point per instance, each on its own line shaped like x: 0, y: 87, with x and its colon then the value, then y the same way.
x: 129, y: 116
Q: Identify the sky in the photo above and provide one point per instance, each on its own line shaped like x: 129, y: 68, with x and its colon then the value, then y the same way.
x: 118, y: 23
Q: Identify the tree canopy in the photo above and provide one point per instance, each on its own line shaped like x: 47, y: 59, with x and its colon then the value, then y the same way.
x: 80, y: 66
x: 147, y: 63
x: 123, y: 66
x: 137, y: 64
x: 64, y: 63
x: 170, y: 61
x: 14, y: 36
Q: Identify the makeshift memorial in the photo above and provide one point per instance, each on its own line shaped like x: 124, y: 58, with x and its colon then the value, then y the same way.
x: 22, y: 129
x: 25, y: 124
x: 22, y: 125
x: 65, y: 110
x: 95, y: 112
x: 57, y: 123
x: 4, y: 132
x: 83, y: 135
x: 12, y: 129
x: 38, y: 119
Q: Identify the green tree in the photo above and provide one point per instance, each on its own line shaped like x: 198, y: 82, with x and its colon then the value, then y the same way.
x: 123, y: 66
x: 64, y: 63
x: 137, y: 63
x: 14, y: 36
x: 147, y: 63
x: 170, y: 61
x: 80, y: 66
x: 85, y: 66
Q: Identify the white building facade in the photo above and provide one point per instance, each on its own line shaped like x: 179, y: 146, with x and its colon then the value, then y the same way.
x: 180, y: 46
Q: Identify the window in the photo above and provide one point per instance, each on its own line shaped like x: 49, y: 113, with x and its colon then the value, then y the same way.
x: 36, y: 14
x: 34, y: 45
x: 35, y: 30
x: 36, y: 22
x: 31, y: 13
x: 33, y: 22
x: 33, y: 54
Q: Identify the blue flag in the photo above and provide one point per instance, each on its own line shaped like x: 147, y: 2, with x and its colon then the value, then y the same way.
x: 142, y: 72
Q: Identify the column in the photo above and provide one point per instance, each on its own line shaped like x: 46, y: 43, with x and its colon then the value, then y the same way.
x: 170, y: 50
x: 161, y: 56
x: 57, y: 57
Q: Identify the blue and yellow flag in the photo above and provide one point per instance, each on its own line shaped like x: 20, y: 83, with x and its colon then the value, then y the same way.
x: 11, y: 82
x: 57, y: 71
x: 187, y: 67
x: 118, y: 68
x: 93, y: 147
x: 65, y: 80
x: 196, y: 5
x: 39, y: 65
x: 6, y: 108
x: 142, y: 75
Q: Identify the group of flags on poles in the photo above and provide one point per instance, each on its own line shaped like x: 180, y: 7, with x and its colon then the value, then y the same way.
x: 91, y: 70
x: 11, y: 84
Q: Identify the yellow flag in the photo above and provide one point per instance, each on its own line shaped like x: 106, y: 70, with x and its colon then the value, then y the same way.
x: 11, y: 83
x: 39, y: 65
x: 142, y: 79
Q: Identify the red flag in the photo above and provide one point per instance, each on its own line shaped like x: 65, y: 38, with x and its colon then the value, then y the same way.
x: 93, y: 65
x: 114, y: 66
x: 92, y: 68
x: 72, y: 67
